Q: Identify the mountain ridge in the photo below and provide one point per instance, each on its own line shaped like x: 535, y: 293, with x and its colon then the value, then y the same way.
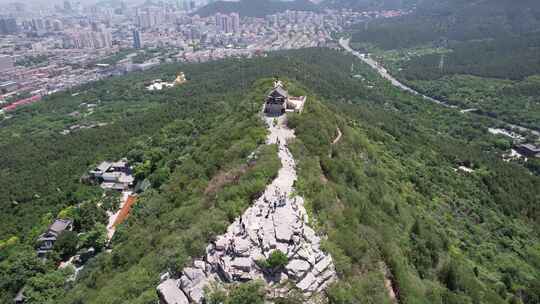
x: 256, y: 8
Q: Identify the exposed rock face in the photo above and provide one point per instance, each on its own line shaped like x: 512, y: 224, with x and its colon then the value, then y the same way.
x: 275, y: 221
x: 170, y: 293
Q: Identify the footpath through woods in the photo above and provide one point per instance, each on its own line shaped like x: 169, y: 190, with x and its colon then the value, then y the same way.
x: 276, y: 221
x: 338, y: 137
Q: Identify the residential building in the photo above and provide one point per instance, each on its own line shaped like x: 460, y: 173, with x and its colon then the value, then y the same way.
x: 6, y: 63
x: 137, y: 41
x: 46, y: 240
x: 235, y: 22
x: 528, y: 150
x: 8, y: 26
x: 8, y: 86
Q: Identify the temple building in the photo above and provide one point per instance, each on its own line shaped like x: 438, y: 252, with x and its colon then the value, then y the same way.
x: 278, y: 101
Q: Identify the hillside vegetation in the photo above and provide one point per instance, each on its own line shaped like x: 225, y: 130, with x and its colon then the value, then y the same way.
x: 445, y: 41
x: 255, y: 8
x: 387, y: 194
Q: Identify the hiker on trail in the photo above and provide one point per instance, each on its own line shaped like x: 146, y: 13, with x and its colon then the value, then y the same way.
x: 259, y: 237
x: 232, y: 247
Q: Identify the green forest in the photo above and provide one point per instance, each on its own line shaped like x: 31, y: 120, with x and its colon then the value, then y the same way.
x: 255, y: 8
x: 487, y: 51
x: 387, y: 195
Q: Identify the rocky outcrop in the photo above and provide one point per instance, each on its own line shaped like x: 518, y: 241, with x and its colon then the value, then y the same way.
x: 170, y: 293
x: 275, y: 221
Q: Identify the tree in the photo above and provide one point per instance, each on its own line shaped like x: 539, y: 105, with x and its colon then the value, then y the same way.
x: 46, y: 287
x: 88, y: 215
x: 215, y: 294
x: 22, y: 264
x: 247, y: 293
x: 111, y: 201
x: 275, y: 262
x: 66, y: 244
x: 96, y: 238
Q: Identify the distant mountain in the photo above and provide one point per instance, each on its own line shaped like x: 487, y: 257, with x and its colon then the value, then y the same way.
x: 256, y: 8
x: 368, y: 4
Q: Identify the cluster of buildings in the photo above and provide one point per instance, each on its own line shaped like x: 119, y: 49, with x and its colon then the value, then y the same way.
x: 113, y: 175
x: 522, y: 149
x: 49, y: 48
x: 88, y: 39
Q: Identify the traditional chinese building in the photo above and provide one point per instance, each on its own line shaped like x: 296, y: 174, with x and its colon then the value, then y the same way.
x: 278, y: 101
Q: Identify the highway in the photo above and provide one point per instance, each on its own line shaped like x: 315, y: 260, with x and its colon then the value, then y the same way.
x: 384, y: 73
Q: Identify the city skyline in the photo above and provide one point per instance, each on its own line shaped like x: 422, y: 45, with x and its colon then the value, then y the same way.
x: 69, y: 44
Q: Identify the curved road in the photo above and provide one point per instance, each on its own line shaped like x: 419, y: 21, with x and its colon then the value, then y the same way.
x: 384, y: 73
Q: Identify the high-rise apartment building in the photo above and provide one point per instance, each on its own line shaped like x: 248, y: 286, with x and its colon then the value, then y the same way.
x: 137, y: 41
x: 235, y: 22
x: 8, y: 26
x: 227, y: 23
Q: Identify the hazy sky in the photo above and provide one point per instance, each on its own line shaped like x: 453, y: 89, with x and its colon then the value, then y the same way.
x: 53, y: 2
x: 30, y: 2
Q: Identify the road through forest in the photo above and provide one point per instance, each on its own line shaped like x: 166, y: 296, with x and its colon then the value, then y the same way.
x: 386, y: 75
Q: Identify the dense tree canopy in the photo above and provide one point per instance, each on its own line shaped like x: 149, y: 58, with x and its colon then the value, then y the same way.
x: 387, y: 195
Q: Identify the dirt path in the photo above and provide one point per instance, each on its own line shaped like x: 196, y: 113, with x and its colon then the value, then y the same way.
x: 338, y: 137
x: 113, y: 216
x: 276, y: 221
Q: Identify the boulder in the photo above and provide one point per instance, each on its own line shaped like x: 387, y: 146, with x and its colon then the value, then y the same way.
x: 307, y: 283
x: 196, y: 294
x: 169, y: 293
x: 200, y: 265
x: 297, y: 268
x: 283, y: 247
x: 307, y: 254
x: 310, y: 236
x: 221, y: 243
x: 284, y: 219
x: 268, y: 234
x: 242, y: 247
x: 242, y: 263
x: 195, y: 275
x: 323, y: 264
x: 252, y: 232
x: 329, y: 274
